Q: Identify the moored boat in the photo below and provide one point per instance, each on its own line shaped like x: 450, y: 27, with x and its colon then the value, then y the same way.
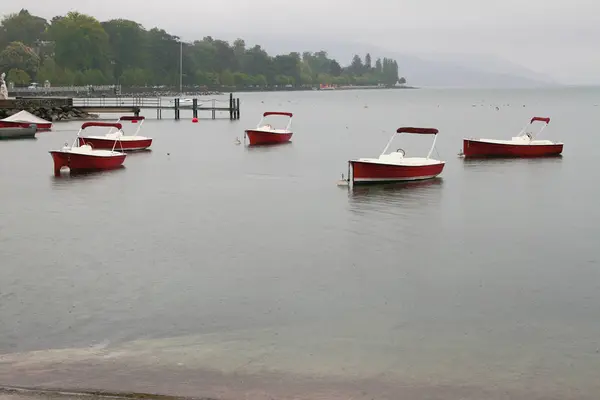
x: 123, y: 142
x: 85, y: 157
x: 18, y: 132
x: 24, y: 119
x: 524, y: 144
x: 394, y: 166
x: 266, y: 134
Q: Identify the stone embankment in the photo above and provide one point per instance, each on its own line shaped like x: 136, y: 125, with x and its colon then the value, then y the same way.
x: 62, y: 113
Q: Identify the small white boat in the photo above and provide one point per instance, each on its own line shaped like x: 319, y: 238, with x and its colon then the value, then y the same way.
x: 187, y: 102
x: 24, y: 119
x: 85, y: 157
x: 124, y: 142
x: 266, y: 134
x: 523, y: 145
x: 395, y: 167
x: 18, y: 132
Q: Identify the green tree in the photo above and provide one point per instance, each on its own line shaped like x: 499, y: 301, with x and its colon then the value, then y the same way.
x: 48, y: 71
x: 240, y: 79
x: 163, y: 56
x: 239, y: 48
x: 127, y: 42
x: 224, y: 56
x: 378, y: 66
x: 368, y: 62
x: 306, y: 79
x: 226, y: 78
x: 80, y: 42
x: 20, y: 57
x: 288, y: 66
x: 22, y: 27
x: 335, y: 68
x: 256, y: 61
x: 65, y: 77
x: 136, y: 77
x: 203, y: 56
x: 18, y: 77
x: 356, y: 67
x: 77, y: 48
x: 389, y: 72
x: 79, y: 78
x: 202, y: 78
x: 94, y: 77
x: 260, y: 80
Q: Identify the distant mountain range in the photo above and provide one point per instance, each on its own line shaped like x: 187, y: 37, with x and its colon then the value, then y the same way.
x: 424, y: 70
x: 468, y: 71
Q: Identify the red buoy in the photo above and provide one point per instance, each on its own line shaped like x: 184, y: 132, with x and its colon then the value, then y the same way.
x: 194, y: 120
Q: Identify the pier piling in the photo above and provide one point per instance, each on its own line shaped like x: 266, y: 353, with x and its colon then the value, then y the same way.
x: 137, y: 105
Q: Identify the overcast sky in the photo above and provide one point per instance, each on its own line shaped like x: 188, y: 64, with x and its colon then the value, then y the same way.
x: 560, y: 38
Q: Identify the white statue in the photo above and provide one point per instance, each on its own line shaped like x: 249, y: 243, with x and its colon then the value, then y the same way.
x: 3, y: 89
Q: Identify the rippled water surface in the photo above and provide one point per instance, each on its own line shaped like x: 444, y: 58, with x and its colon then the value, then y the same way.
x: 204, y: 261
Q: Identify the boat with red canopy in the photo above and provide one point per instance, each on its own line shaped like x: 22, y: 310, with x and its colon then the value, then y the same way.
x: 124, y: 142
x: 395, y: 167
x: 85, y: 157
x: 522, y: 145
x: 266, y: 134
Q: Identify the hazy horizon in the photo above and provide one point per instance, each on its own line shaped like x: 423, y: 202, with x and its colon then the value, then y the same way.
x: 556, y: 38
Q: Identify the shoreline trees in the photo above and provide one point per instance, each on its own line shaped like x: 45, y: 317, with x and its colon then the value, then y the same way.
x: 77, y: 49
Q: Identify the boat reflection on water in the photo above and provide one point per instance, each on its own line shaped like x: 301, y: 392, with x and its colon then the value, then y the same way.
x: 267, y: 147
x: 392, y: 188
x: 415, y: 192
x: 67, y: 176
x: 477, y: 162
x: 514, y: 167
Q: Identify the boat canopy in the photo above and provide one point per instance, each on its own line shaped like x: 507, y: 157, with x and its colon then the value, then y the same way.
x: 421, y: 131
x: 287, y: 114
x: 105, y: 124
x: 26, y: 117
x: 131, y: 118
x: 541, y: 119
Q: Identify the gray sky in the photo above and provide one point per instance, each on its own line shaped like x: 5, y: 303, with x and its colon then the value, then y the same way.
x: 560, y: 38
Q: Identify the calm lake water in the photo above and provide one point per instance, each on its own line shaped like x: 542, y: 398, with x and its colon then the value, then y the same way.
x: 207, y: 268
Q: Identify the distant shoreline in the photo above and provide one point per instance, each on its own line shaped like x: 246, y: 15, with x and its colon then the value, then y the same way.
x: 83, y: 92
x: 170, y: 92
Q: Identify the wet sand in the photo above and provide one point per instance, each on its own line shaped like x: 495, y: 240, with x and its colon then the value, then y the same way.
x: 129, y: 371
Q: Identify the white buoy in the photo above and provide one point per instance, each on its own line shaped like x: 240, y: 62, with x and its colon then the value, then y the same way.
x: 237, y: 141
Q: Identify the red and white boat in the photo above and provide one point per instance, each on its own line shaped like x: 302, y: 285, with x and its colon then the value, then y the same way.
x: 395, y: 167
x: 124, y: 142
x: 24, y: 119
x: 266, y: 134
x: 85, y: 157
x: 522, y: 145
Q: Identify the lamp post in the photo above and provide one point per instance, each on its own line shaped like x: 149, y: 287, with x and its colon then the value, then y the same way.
x: 180, y: 66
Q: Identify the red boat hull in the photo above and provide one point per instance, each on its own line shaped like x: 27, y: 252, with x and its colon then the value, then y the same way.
x: 107, y: 144
x: 477, y: 148
x: 40, y: 127
x: 85, y: 162
x: 260, y: 137
x: 368, y: 172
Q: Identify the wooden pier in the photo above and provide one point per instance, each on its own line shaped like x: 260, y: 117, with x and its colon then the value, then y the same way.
x: 134, y: 105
